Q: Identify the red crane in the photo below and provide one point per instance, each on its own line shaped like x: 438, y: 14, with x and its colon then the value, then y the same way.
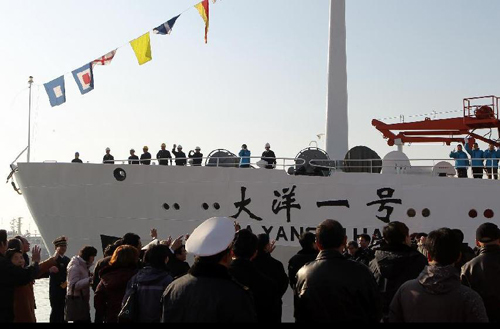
x: 479, y: 113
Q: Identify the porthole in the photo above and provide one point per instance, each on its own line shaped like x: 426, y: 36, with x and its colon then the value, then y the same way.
x: 176, y: 206
x: 488, y: 213
x: 120, y: 174
x: 216, y: 206
x: 426, y: 212
x: 473, y: 213
x: 205, y: 206
x: 411, y: 213
x: 166, y: 206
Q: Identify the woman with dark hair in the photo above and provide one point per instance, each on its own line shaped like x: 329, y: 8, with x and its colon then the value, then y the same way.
x: 150, y: 283
x: 177, y: 263
x: 114, y: 278
x: 79, y: 279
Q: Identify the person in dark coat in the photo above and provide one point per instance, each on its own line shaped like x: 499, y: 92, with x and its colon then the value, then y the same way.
x: 150, y: 283
x: 262, y: 287
x: 395, y: 263
x: 77, y: 158
x: 145, y: 156
x: 177, y: 264
x: 274, y: 269
x: 133, y: 159
x: 108, y: 158
x: 114, y: 278
x: 208, y: 293
x: 196, y: 156
x: 437, y: 295
x: 57, y: 282
x: 269, y: 157
x: 163, y: 156
x: 365, y: 252
x: 179, y: 155
x: 333, y: 288
x: 12, y: 276
x: 466, y: 251
x: 482, y: 273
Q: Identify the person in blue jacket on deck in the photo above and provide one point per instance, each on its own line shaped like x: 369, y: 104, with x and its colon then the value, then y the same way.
x: 461, y: 161
x: 477, y: 160
x: 245, y: 156
x: 491, y: 165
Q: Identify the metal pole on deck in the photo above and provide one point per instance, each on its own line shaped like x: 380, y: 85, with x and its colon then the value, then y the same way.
x: 30, y: 81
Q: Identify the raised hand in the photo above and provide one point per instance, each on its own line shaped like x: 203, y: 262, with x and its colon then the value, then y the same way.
x: 153, y: 233
x: 35, y: 254
x: 177, y: 243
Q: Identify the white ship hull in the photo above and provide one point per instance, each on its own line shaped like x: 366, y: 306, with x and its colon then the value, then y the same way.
x: 83, y: 201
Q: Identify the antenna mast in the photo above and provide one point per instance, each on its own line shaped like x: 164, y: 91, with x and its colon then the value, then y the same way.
x: 30, y: 81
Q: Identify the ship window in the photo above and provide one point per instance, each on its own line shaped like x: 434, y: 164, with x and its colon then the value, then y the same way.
x: 488, y: 213
x: 473, y: 213
x: 176, y: 206
x: 426, y: 212
x: 216, y: 206
x: 166, y: 206
x: 205, y: 206
x: 411, y: 212
x: 120, y: 174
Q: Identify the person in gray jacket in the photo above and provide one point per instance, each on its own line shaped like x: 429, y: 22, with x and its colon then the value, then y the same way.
x: 437, y: 294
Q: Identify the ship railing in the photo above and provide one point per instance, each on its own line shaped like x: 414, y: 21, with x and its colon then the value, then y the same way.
x: 434, y: 167
x: 282, y: 163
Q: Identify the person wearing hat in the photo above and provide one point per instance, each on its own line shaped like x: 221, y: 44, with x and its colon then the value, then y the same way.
x: 179, y: 155
x: 108, y: 158
x: 244, y: 154
x: 146, y: 156
x: 196, y: 156
x: 482, y: 273
x: 269, y: 156
x: 77, y: 158
x: 208, y: 293
x: 133, y: 159
x: 57, y: 284
x: 163, y: 156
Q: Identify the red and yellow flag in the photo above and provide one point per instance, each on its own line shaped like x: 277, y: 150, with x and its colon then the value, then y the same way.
x: 202, y: 8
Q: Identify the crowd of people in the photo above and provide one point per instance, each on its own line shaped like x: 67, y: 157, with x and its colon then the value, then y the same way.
x: 392, y: 277
x: 481, y: 161
x: 195, y: 157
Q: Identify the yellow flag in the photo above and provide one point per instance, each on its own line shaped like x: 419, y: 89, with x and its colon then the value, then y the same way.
x: 203, y: 9
x: 142, y: 48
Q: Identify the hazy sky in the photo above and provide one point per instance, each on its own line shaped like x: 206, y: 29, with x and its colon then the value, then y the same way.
x: 261, y: 77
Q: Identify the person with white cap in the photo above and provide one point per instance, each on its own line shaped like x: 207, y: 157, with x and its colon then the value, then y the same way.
x: 179, y: 155
x: 108, y: 158
x: 133, y: 159
x: 163, y: 156
x: 269, y: 157
x: 196, y: 156
x: 208, y: 293
x: 77, y: 158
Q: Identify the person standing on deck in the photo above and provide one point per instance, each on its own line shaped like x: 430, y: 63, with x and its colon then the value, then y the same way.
x: 461, y: 161
x: 477, y: 160
x: 491, y: 166
x: 179, y: 154
x: 245, y: 156
x: 269, y: 157
x: 146, y: 156
x: 77, y: 158
x: 196, y: 157
x: 163, y: 156
x: 133, y: 159
x: 108, y: 158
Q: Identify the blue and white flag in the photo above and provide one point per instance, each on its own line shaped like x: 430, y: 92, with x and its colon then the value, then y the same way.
x: 167, y: 27
x: 84, y: 78
x: 56, y: 91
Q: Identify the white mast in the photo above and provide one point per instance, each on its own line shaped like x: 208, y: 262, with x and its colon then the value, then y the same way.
x: 336, y: 106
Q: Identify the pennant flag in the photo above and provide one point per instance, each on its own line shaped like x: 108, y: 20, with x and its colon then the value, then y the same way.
x: 142, y: 48
x: 56, y: 91
x: 202, y: 8
x: 104, y: 60
x: 84, y: 78
x: 166, y: 28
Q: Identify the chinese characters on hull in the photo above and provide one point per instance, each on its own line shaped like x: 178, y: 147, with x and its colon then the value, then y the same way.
x: 287, y: 201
